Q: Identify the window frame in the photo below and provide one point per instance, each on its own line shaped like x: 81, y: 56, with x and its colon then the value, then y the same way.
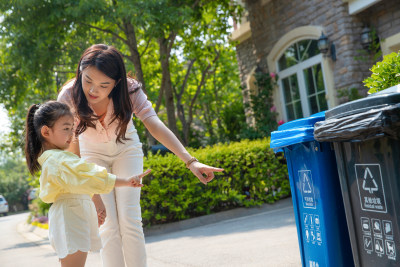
x: 298, y: 69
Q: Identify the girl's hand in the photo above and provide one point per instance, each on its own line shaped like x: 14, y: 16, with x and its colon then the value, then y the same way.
x: 134, y: 181
x: 101, y: 218
x: 204, y: 172
x: 100, y: 209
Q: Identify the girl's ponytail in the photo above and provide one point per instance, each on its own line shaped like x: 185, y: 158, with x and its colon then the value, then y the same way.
x: 39, y: 116
x: 33, y: 143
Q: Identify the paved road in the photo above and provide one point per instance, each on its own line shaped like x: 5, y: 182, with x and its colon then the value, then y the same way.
x: 260, y: 237
x: 27, y: 249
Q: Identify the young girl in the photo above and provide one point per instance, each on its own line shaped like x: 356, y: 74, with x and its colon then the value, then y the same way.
x: 67, y: 181
x: 103, y: 100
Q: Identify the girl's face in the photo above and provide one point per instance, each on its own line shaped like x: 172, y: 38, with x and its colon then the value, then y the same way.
x: 96, y: 86
x: 60, y: 135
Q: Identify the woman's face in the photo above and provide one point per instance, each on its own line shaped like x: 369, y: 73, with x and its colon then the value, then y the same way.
x: 96, y: 85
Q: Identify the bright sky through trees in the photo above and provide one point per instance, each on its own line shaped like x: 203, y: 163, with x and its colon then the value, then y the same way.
x: 4, y: 121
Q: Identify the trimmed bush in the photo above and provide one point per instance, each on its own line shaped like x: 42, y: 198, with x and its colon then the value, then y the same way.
x: 253, y: 175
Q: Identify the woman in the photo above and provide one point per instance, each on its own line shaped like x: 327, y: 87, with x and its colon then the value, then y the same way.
x: 103, y: 100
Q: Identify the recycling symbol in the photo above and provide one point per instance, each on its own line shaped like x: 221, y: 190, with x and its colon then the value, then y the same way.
x: 370, y: 187
x: 369, y: 183
x: 307, y: 189
x: 306, y: 184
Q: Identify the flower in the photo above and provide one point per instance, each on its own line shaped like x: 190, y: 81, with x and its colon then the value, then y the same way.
x: 272, y: 75
x: 272, y: 109
x: 43, y: 219
x: 281, y: 122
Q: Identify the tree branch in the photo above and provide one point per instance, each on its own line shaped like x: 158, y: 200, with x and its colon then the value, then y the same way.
x: 205, y: 73
x: 187, y: 76
x: 171, y: 39
x: 147, y: 46
x: 195, y: 4
x: 105, y: 30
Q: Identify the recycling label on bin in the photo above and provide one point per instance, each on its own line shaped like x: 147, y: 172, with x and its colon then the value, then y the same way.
x: 307, y: 189
x: 378, y: 237
x: 370, y: 187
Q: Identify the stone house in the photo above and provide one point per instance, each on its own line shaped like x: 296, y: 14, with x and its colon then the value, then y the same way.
x: 281, y: 36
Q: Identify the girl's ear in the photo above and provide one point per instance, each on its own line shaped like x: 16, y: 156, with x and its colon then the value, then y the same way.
x: 45, y: 131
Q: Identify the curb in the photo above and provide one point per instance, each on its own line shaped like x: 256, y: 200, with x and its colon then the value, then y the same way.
x: 34, y: 234
x: 160, y: 229
x: 40, y: 236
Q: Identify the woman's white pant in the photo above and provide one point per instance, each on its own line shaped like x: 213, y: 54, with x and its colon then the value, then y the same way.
x: 122, y: 233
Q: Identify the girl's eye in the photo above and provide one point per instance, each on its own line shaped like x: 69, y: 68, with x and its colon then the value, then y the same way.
x: 104, y: 87
x: 87, y: 81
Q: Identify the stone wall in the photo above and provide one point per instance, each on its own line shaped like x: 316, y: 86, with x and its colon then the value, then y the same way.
x: 270, y: 21
x: 247, y: 61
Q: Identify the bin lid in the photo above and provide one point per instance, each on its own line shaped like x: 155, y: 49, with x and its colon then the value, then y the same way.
x: 360, y: 120
x: 377, y: 101
x: 390, y: 90
x: 294, y: 132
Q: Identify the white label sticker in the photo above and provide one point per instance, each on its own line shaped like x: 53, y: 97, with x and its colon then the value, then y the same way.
x: 370, y: 187
x: 307, y: 189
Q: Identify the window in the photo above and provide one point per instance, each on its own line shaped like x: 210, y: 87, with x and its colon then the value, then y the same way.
x: 301, y: 80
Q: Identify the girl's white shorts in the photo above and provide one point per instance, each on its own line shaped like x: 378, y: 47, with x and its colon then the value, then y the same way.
x: 73, y: 225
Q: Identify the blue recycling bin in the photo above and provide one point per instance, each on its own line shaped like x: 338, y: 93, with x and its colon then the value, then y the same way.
x: 316, y: 194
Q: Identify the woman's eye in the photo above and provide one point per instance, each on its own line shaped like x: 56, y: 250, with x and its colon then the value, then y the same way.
x: 87, y: 81
x: 104, y: 87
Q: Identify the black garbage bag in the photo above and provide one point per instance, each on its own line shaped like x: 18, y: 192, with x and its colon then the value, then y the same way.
x: 361, y: 120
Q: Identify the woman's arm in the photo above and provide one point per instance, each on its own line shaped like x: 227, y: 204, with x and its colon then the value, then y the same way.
x: 165, y: 136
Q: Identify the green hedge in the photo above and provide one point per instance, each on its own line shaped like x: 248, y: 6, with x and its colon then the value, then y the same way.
x: 253, y: 175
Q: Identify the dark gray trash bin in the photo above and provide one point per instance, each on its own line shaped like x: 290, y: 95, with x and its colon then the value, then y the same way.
x: 366, y: 136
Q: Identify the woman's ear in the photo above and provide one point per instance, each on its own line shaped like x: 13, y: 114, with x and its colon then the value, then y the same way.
x: 45, y: 131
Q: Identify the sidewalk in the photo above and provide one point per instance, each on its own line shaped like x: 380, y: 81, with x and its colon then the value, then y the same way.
x: 262, y: 236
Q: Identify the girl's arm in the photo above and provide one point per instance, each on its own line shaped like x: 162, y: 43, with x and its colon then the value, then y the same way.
x: 165, y: 136
x: 134, y: 181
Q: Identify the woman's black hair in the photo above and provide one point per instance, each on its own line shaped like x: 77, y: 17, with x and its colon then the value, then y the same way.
x: 108, y: 60
x: 37, y: 117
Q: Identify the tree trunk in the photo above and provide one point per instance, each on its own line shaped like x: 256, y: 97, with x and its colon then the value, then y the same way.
x: 166, y: 85
x: 218, y: 102
x: 179, y: 106
x: 135, y: 56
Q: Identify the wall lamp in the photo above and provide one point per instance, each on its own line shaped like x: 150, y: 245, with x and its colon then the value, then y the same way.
x: 366, y: 38
x: 327, y: 48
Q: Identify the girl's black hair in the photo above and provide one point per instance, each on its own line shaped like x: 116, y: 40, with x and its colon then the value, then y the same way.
x: 108, y: 60
x: 37, y: 117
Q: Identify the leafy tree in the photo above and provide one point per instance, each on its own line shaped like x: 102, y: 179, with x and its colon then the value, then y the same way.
x: 40, y: 38
x: 14, y: 181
